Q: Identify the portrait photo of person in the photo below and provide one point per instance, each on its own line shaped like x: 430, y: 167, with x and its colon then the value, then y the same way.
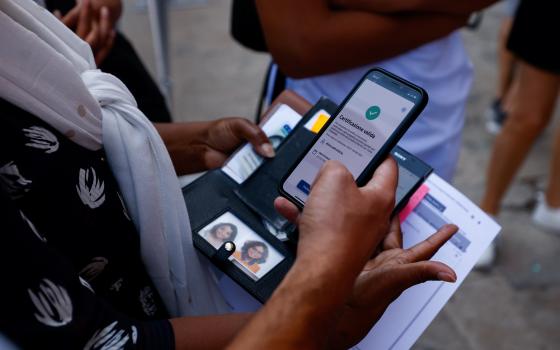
x: 220, y: 233
x: 252, y: 255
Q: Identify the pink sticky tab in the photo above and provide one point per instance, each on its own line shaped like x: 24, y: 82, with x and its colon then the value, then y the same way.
x: 416, y: 198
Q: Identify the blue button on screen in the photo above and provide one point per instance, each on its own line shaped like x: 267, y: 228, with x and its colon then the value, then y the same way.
x: 304, y: 186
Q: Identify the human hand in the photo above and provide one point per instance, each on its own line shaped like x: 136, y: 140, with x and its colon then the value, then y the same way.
x: 96, y: 27
x: 226, y: 135
x: 341, y: 224
x: 199, y: 146
x: 385, y: 277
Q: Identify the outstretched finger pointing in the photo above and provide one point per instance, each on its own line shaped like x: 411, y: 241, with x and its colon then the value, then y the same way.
x: 427, y: 248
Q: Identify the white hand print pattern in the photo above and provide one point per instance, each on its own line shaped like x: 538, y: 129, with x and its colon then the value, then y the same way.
x: 41, y: 138
x: 54, y: 307
x: 90, y: 189
x: 108, y: 338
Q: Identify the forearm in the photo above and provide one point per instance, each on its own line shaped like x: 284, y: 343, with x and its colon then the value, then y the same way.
x: 301, y: 311
x: 326, y: 41
x: 186, y: 145
x: 456, y: 7
x: 212, y: 332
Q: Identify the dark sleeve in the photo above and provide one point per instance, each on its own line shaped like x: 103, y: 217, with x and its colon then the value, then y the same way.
x: 45, y: 305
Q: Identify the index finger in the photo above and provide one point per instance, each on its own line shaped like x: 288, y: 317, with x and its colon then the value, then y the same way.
x: 85, y: 18
x: 427, y: 248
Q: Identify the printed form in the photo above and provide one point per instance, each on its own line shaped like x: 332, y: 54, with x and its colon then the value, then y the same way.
x: 409, y: 316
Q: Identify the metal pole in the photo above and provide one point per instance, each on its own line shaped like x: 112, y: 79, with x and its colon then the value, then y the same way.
x: 157, y: 12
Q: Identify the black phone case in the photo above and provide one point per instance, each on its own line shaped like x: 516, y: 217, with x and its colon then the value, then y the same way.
x: 215, y: 193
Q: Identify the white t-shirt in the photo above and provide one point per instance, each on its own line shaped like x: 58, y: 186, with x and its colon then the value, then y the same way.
x: 443, y: 68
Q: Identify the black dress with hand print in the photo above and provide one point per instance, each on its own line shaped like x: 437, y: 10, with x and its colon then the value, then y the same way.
x: 67, y: 219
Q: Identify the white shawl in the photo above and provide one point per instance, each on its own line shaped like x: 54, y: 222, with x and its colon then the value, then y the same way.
x: 48, y: 71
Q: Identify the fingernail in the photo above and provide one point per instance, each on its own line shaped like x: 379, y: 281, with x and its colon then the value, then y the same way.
x: 268, y: 150
x: 104, y: 11
x: 447, y: 277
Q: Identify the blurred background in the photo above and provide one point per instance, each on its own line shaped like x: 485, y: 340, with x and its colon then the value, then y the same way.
x: 515, y: 305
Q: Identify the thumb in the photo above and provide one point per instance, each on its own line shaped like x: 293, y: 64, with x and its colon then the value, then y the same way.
x: 254, y: 135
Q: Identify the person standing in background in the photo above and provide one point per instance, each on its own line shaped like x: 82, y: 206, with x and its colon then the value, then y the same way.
x: 496, y: 113
x: 533, y: 98
x: 335, y: 42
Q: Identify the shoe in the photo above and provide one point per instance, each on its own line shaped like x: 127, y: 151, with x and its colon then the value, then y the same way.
x: 546, y: 217
x: 488, y: 258
x: 495, y: 117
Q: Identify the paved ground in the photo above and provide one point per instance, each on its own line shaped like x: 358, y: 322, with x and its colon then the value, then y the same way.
x: 516, y: 305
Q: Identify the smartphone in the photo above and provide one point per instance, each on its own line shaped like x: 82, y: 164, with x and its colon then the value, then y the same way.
x: 362, y: 132
x: 412, y: 173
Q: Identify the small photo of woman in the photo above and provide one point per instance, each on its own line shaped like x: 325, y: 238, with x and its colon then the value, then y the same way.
x: 252, y: 255
x: 220, y: 233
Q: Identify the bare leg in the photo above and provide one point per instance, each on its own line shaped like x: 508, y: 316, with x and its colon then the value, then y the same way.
x: 506, y: 60
x: 553, y: 191
x: 533, y: 98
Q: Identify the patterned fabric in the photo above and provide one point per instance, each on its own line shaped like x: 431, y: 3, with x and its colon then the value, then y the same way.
x: 60, y: 84
x: 68, y: 233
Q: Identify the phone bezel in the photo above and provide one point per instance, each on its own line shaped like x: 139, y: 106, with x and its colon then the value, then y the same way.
x: 384, y: 151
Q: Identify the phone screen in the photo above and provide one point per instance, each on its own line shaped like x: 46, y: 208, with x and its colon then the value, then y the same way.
x: 373, y: 112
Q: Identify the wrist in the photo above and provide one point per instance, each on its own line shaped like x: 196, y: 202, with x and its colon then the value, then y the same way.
x: 312, y: 303
x: 321, y: 279
x: 330, y: 264
x: 186, y: 144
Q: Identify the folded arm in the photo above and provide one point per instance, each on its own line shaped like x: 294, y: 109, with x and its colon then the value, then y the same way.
x: 308, y: 38
x: 456, y: 7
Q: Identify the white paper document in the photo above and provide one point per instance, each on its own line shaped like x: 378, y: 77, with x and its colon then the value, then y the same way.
x: 408, y: 316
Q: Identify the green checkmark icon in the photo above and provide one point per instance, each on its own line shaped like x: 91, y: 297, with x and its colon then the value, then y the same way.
x: 373, y: 112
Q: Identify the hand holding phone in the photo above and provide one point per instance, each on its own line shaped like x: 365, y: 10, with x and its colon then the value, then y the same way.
x: 367, y: 125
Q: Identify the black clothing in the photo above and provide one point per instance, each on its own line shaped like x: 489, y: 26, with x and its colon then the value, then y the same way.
x: 124, y: 63
x: 65, y: 229
x: 246, y: 26
x: 246, y: 29
x: 534, y: 33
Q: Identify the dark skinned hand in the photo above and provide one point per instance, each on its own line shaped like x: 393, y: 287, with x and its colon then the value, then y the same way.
x: 389, y: 272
